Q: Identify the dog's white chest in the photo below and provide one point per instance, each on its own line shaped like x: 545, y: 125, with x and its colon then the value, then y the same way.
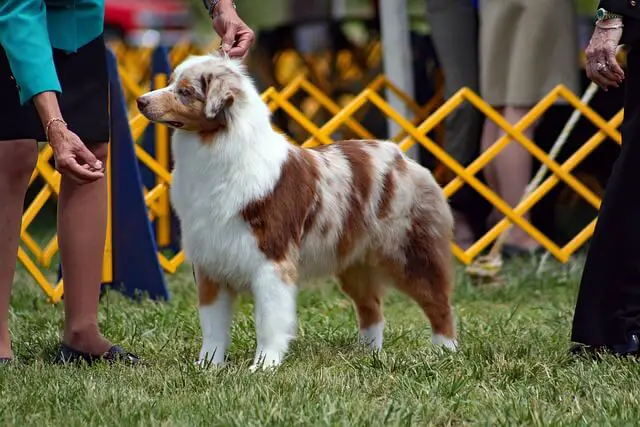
x: 208, y: 197
x: 218, y: 242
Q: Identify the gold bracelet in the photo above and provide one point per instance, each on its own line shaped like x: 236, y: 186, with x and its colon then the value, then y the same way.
x: 615, y: 27
x: 612, y: 27
x: 50, y: 122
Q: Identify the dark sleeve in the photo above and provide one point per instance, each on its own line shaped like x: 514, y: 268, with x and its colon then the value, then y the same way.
x: 626, y: 8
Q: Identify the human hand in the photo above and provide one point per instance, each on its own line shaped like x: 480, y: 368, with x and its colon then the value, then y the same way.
x: 72, y: 158
x: 237, y: 37
x: 602, y: 66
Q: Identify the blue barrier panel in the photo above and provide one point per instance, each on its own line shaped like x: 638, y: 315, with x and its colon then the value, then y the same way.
x: 136, y: 269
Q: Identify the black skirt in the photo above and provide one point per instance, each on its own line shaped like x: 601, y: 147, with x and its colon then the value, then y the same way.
x: 84, y: 100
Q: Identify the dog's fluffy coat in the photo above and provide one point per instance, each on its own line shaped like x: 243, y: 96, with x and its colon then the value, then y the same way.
x: 259, y: 214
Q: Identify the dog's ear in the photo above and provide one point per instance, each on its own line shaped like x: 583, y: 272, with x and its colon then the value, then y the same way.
x: 220, y: 91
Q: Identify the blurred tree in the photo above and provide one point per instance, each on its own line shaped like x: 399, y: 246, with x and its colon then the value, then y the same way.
x: 586, y: 7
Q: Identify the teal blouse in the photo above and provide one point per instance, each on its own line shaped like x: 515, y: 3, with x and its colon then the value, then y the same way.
x: 29, y: 29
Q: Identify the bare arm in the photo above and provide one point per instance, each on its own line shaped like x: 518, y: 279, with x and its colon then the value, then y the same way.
x: 47, y: 105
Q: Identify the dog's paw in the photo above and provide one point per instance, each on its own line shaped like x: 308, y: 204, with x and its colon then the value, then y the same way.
x: 266, y: 361
x: 372, y: 336
x: 210, y: 358
x: 445, y: 342
x: 208, y: 363
x: 260, y: 366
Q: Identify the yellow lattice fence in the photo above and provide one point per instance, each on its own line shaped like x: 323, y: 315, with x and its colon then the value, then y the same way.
x: 416, y: 130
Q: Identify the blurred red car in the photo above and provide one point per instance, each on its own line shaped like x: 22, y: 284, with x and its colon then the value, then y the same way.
x: 147, y: 22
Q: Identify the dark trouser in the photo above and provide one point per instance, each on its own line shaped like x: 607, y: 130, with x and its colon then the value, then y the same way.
x: 608, y: 307
x: 457, y: 52
x: 458, y: 56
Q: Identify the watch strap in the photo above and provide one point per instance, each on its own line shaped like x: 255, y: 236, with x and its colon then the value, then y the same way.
x: 211, y: 4
x: 604, y: 15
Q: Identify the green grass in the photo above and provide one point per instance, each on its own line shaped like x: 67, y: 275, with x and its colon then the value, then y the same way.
x: 512, y: 368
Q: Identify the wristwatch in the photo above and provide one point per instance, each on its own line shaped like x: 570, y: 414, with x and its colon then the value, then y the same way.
x: 211, y: 4
x: 601, y: 14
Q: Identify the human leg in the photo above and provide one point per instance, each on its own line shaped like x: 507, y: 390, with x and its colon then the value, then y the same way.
x: 512, y: 174
x: 82, y: 222
x: 17, y: 161
x: 458, y: 56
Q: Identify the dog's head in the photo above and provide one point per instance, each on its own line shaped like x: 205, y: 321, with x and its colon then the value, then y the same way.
x: 199, y: 96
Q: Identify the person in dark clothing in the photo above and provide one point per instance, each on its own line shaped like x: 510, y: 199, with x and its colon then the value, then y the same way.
x: 454, y: 31
x: 607, y: 313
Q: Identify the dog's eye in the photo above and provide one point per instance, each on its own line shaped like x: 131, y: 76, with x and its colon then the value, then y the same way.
x: 185, y: 91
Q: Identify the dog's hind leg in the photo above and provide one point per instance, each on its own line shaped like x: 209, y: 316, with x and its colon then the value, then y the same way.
x: 435, y: 304
x: 361, y: 283
x: 427, y: 276
x: 274, y: 291
x: 216, y: 304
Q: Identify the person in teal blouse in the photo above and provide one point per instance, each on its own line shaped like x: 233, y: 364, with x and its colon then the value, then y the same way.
x: 54, y: 87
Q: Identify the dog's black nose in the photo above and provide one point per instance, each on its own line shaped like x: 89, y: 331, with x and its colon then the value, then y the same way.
x: 142, y: 102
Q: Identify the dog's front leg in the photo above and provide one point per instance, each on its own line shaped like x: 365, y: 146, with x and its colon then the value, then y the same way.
x: 216, y: 305
x: 275, y: 316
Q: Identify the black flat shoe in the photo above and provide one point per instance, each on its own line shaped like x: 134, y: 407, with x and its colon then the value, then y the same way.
x: 585, y: 351
x: 5, y: 361
x: 116, y: 353
x: 631, y: 348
